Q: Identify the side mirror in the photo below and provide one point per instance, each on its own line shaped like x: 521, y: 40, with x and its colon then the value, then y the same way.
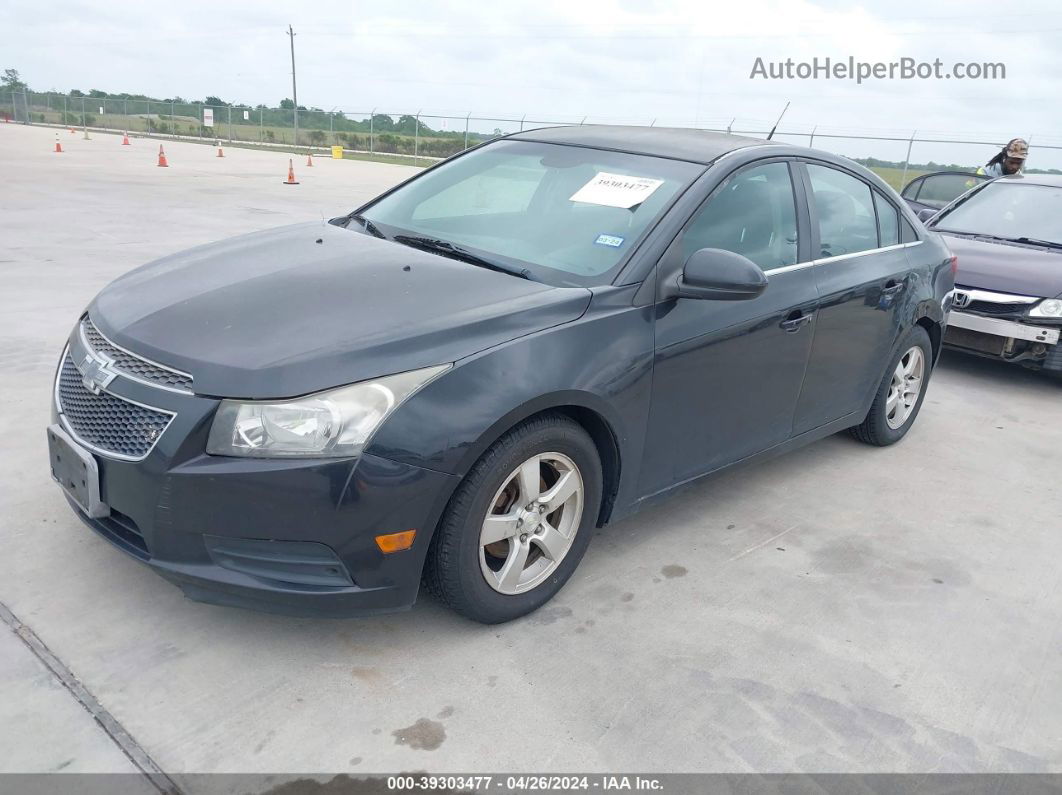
x: 926, y: 213
x: 717, y: 275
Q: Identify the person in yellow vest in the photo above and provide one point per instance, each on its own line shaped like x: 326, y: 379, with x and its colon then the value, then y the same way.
x: 1010, y: 160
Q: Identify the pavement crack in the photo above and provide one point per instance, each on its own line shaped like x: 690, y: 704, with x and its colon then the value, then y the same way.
x: 110, y: 725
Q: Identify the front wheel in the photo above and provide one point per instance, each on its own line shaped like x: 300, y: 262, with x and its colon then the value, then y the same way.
x: 901, y: 392
x: 519, y: 523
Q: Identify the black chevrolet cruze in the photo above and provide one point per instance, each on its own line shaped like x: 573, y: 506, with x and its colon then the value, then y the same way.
x: 459, y: 380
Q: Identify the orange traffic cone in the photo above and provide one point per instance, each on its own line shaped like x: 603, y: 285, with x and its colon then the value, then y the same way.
x: 220, y: 152
x: 309, y: 160
x: 291, y: 174
x: 125, y: 139
x: 162, y: 158
x: 58, y: 146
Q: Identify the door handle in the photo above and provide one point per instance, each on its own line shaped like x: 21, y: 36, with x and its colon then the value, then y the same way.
x: 795, y: 321
x: 892, y: 287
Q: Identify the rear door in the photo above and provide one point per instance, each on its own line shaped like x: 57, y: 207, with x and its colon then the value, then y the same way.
x: 862, y: 274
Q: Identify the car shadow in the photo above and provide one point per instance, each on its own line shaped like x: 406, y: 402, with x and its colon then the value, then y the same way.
x: 1000, y: 372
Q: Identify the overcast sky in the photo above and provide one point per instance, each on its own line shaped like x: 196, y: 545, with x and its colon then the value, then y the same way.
x: 684, y: 62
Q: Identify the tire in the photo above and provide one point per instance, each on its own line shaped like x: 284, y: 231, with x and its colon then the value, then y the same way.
x: 880, y: 428
x: 483, y: 581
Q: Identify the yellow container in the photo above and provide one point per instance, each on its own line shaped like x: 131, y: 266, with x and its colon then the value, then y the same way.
x: 337, y: 152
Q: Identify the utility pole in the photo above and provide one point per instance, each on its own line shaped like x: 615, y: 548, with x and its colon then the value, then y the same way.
x: 294, y: 93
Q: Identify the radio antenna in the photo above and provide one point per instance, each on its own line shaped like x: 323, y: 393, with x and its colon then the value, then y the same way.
x: 770, y: 135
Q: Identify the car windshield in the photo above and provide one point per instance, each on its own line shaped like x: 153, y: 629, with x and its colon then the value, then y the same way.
x: 563, y: 215
x: 1009, y: 210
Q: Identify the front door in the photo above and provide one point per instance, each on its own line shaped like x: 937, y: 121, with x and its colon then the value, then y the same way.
x: 727, y: 374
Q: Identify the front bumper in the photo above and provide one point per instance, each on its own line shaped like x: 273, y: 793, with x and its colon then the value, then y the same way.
x: 1012, y: 341
x: 282, y: 535
x: 184, y: 524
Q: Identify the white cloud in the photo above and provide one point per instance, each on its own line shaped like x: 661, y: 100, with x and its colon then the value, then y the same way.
x: 682, y: 62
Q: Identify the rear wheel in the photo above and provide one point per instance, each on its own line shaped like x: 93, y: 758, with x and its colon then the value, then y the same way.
x: 519, y: 523
x: 901, y: 392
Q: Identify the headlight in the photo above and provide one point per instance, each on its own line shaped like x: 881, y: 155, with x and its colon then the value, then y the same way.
x: 1052, y: 307
x: 335, y: 423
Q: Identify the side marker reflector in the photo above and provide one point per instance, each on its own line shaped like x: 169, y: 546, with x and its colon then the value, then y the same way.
x: 396, y: 542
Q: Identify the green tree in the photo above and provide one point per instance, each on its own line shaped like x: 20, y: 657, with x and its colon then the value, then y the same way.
x: 287, y: 104
x: 12, y: 81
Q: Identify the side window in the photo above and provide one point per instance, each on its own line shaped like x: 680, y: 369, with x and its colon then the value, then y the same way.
x: 940, y: 189
x: 911, y: 191
x: 847, y: 222
x: 888, y: 221
x: 907, y: 232
x: 753, y: 214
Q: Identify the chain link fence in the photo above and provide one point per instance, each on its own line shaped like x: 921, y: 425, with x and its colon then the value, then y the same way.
x: 420, y: 136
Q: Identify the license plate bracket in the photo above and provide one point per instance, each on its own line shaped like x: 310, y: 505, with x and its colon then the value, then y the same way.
x: 76, y: 472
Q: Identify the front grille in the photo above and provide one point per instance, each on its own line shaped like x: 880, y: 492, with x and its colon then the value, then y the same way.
x: 107, y: 422
x: 133, y: 365
x: 990, y: 308
x: 978, y: 341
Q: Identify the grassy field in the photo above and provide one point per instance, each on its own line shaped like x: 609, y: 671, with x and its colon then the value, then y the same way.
x: 894, y: 176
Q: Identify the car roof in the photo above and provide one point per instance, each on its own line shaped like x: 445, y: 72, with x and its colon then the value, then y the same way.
x: 679, y: 143
x: 1050, y: 180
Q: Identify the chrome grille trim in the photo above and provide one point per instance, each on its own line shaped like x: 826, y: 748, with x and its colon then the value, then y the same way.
x: 56, y: 396
x: 165, y: 377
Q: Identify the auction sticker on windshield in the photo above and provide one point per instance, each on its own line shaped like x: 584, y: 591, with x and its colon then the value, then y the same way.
x: 616, y: 190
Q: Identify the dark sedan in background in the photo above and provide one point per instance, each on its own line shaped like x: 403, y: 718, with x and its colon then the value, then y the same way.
x: 462, y: 378
x: 1007, y: 234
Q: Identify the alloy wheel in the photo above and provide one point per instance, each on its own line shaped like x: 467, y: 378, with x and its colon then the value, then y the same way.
x: 905, y: 387
x: 531, y: 523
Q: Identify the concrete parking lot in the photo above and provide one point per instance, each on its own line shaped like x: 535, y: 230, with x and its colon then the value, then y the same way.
x: 842, y: 608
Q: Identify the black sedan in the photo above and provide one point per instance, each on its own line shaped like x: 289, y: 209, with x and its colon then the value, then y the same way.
x: 1007, y: 235
x: 459, y: 380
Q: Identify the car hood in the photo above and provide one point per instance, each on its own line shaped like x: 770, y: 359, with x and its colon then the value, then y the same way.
x: 303, y: 308
x: 1006, y: 268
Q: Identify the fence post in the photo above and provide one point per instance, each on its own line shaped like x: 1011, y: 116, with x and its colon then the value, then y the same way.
x: 372, y: 118
x: 416, y: 139
x: 230, y: 124
x: 84, y: 120
x: 64, y: 109
x: 466, y: 128
x: 907, y: 159
x: 125, y: 107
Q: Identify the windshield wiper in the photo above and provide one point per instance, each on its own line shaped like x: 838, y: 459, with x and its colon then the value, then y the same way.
x: 368, y: 225
x: 448, y: 249
x: 1033, y: 241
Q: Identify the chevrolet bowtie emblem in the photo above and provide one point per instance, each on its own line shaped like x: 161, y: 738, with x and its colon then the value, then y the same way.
x: 96, y: 372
